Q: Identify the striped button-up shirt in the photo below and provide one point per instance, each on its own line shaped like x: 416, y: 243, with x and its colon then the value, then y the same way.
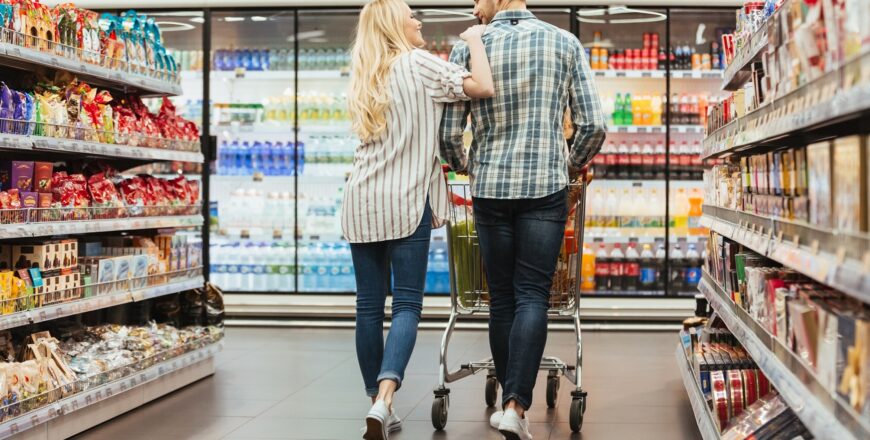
x: 518, y: 149
x: 393, y: 175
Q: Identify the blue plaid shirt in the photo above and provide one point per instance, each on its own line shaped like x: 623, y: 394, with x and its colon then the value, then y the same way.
x: 519, y: 149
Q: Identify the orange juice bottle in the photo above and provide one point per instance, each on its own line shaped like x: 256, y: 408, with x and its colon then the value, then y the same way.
x: 587, y: 270
x: 637, y: 111
x: 696, y: 199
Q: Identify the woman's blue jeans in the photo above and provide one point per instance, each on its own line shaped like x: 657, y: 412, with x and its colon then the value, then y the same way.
x: 406, y: 260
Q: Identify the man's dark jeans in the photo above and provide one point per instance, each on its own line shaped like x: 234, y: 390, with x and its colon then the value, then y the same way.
x: 520, y: 242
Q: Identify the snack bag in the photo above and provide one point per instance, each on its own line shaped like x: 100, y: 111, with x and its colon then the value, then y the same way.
x: 133, y: 194
x: 7, y: 108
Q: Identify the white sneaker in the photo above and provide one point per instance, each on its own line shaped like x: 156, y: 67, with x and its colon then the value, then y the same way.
x: 495, y: 419
x: 512, y: 427
x: 380, y: 422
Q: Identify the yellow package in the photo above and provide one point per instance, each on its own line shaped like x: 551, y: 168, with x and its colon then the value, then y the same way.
x: 5, y: 291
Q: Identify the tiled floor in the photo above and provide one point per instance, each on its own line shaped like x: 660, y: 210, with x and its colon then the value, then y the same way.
x: 304, y: 384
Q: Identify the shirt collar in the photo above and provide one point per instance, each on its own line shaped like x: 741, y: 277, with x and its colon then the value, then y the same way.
x: 514, y: 14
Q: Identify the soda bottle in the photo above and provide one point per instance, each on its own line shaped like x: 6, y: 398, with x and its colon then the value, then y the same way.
x: 660, y: 268
x: 623, y: 161
x: 693, y: 269
x: 694, y: 217
x: 660, y: 160
x: 648, y: 269
x: 662, y: 59
x: 648, y: 161
x: 617, y: 259
x: 635, y: 158
x: 680, y: 212
x: 587, y: 269
x: 602, y: 268
x: 611, y: 210
x: 631, y: 268
x: 604, y: 59
x: 626, y: 219
x: 677, y: 270
x: 617, y: 110
x: 627, y: 116
x: 594, y: 62
x: 637, y: 111
x: 595, y: 218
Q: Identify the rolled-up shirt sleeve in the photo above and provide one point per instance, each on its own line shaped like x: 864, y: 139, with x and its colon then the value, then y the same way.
x: 454, y: 121
x: 589, y: 124
x: 443, y: 80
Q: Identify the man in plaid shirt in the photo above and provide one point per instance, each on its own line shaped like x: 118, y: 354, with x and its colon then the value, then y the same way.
x: 518, y: 164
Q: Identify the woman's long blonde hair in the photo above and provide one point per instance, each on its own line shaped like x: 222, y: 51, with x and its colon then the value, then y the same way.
x: 380, y: 39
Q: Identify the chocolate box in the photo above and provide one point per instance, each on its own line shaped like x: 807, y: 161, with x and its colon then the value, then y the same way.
x: 42, y: 176
x: 21, y: 175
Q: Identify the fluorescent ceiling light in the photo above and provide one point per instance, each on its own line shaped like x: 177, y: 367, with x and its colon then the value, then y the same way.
x: 173, y: 26
x: 258, y: 18
x: 307, y: 35
x: 443, y: 16
x: 197, y: 20
x: 233, y: 19
x: 318, y: 40
x: 611, y: 15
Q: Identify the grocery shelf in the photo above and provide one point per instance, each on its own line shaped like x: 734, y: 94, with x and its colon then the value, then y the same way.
x: 738, y: 72
x: 840, y: 260
x: 100, y: 403
x: 118, y: 79
x: 266, y: 75
x: 44, y: 229
x: 824, y: 414
x: 111, y: 299
x: 87, y: 148
x: 656, y: 129
x: 827, y: 100
x: 675, y: 74
x: 703, y: 416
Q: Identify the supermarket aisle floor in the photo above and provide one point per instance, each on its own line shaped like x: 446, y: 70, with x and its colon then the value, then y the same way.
x: 304, y: 384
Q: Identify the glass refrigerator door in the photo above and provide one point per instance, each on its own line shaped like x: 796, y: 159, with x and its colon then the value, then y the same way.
x: 253, y: 183
x: 626, y: 201
x: 696, y: 79
x: 325, y: 149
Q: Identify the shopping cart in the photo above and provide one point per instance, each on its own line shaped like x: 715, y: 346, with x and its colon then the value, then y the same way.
x: 469, y: 295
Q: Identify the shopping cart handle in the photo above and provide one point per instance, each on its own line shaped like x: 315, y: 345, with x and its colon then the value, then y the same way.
x: 459, y: 201
x: 587, y: 173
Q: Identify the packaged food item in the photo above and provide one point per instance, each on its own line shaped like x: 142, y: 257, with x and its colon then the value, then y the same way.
x: 42, y: 172
x: 820, y: 184
x: 850, y: 184
x: 22, y: 175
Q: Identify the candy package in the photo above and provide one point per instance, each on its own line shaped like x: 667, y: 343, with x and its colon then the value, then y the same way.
x: 104, y: 195
x: 7, y: 108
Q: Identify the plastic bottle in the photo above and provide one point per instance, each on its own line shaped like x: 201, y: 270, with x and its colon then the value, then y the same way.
x: 623, y: 161
x: 680, y: 212
x: 257, y: 161
x: 635, y: 161
x: 617, y: 110
x: 441, y: 267
x: 602, y: 269
x: 631, y: 268
x: 656, y: 110
x: 660, y: 268
x: 587, y: 269
x: 677, y: 270
x: 617, y: 260
x: 625, y: 211
x: 648, y: 269
x: 660, y: 160
x: 694, y: 215
x: 647, y: 161
x: 636, y: 110
x: 595, y: 216
x: 627, y: 114
x: 692, y: 275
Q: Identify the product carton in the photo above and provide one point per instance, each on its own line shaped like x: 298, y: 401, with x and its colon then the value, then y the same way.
x: 820, y: 184
x: 29, y: 199
x: 25, y: 256
x: 21, y: 175
x: 42, y: 176
x: 850, y: 184
x: 140, y: 271
x: 106, y: 275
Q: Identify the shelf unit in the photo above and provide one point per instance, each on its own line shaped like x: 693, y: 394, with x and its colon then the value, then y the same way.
x: 738, y: 72
x: 839, y: 96
x: 823, y: 413
x: 107, y: 401
x: 127, y: 81
x: 656, y: 129
x: 840, y: 260
x: 675, y: 74
x: 703, y: 416
x: 95, y: 403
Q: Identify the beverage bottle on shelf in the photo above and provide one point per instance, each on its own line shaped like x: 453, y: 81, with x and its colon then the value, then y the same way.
x: 680, y: 212
x: 648, y: 161
x: 637, y: 110
x: 643, y: 207
x: 631, y: 268
x: 657, y: 203
x: 677, y: 270
x: 687, y: 56
x: 685, y: 158
x: 660, y: 160
x: 595, y: 214
x: 604, y: 59
x: 611, y: 210
x: 587, y: 269
x: 662, y: 59
x: 602, y: 268
x: 617, y: 260
x: 595, y: 59
x: 617, y: 110
x: 626, y: 210
x: 697, y: 161
x: 678, y: 52
x: 247, y: 167
x: 635, y: 158
x: 685, y: 110
x: 223, y: 163
x: 256, y: 157
x: 660, y: 268
x: 623, y: 161
x: 694, y: 111
x: 299, y: 158
x: 238, y: 158
x: 648, y: 269
x: 656, y: 110
x: 628, y: 110
x: 611, y: 161
x: 693, y: 269
x: 696, y: 199
x: 608, y: 106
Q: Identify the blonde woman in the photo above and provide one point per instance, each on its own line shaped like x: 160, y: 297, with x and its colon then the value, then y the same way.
x: 396, y: 193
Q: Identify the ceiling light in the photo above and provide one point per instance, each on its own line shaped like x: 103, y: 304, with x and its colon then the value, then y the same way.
x: 258, y: 18
x: 611, y: 15
x: 307, y: 35
x: 443, y: 16
x: 173, y: 26
x: 233, y: 19
x: 197, y: 20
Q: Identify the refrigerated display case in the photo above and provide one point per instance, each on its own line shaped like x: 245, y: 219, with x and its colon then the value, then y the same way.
x: 278, y: 81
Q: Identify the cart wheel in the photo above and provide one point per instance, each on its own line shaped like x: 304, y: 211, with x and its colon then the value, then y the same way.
x: 439, y: 412
x: 578, y: 408
x: 491, y: 391
x: 552, y: 391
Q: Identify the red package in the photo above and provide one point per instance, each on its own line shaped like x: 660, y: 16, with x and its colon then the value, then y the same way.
x: 14, y: 199
x: 155, y: 193
x: 5, y: 200
x: 193, y: 192
x: 133, y: 191
x: 102, y: 190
